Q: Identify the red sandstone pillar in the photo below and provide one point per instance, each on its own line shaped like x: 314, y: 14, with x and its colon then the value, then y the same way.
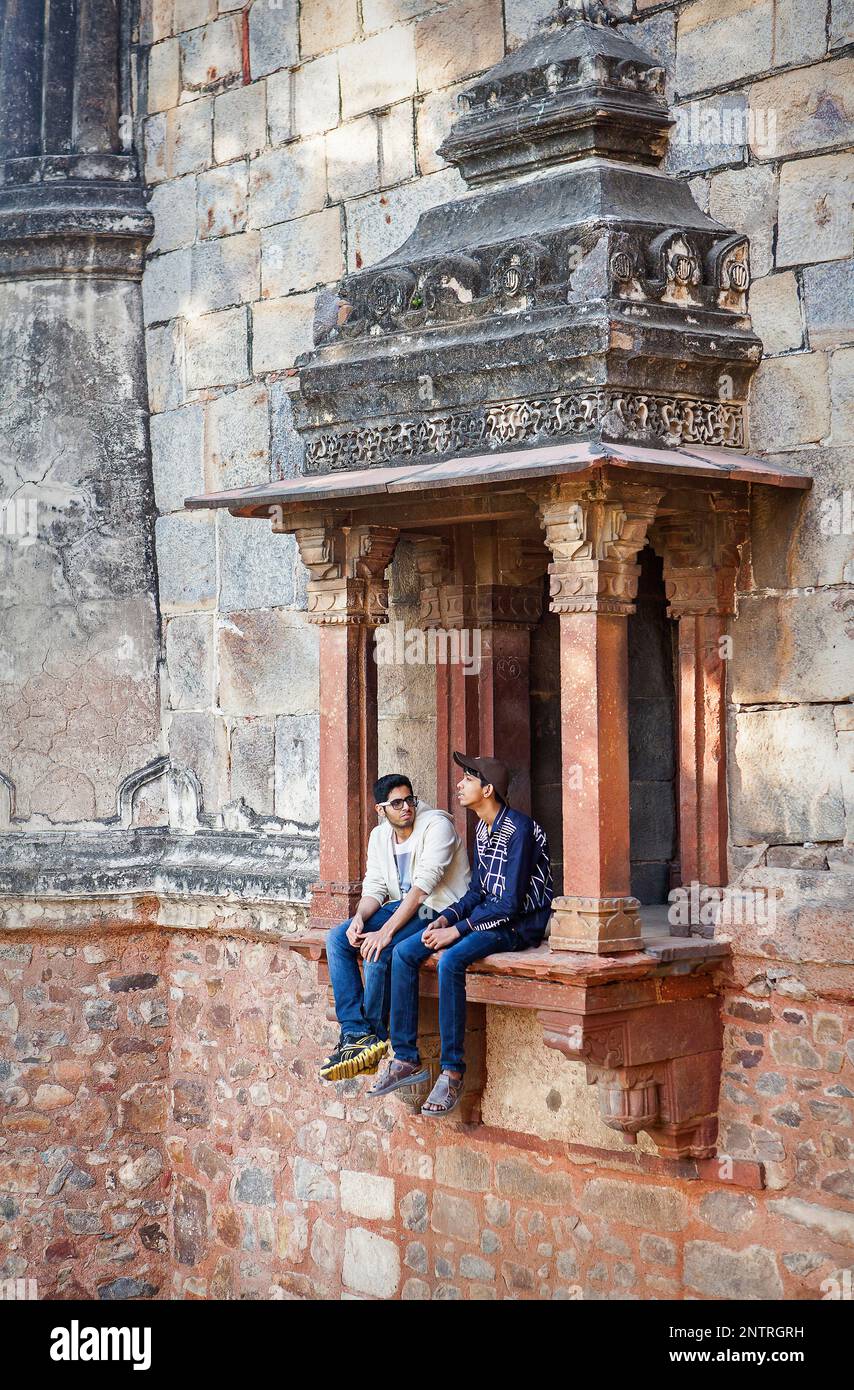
x: 594, y: 531
x: 507, y: 614
x: 700, y: 550
x: 347, y: 599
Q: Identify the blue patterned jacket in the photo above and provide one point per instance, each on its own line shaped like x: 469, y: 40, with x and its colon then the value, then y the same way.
x: 511, y: 881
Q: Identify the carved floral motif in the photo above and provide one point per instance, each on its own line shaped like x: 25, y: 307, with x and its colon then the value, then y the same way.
x: 672, y: 419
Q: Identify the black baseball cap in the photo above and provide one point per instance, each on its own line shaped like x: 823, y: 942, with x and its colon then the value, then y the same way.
x: 492, y: 770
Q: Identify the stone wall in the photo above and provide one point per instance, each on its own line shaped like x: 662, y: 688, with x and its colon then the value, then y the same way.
x: 285, y: 144
x: 79, y: 701
x: 222, y: 1167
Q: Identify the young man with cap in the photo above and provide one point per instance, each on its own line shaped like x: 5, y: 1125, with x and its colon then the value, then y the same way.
x: 417, y: 865
x: 506, y: 908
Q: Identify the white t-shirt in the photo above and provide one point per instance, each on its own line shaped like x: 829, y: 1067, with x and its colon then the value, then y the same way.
x: 403, y: 858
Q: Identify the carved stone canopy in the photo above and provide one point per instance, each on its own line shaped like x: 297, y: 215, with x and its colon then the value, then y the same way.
x: 581, y: 295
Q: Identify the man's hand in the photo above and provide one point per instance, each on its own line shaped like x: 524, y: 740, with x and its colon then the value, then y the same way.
x: 374, y: 942
x: 440, y: 934
x: 356, y: 931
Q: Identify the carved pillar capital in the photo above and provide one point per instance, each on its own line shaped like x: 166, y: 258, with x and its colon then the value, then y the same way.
x: 701, y: 554
x: 433, y: 563
x: 594, y: 531
x: 509, y: 580
x: 347, y: 565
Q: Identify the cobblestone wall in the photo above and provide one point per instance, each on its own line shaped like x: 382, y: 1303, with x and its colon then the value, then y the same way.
x: 167, y: 1137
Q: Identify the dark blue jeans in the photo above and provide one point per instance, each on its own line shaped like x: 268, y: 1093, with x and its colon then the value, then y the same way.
x: 453, y: 962
x: 364, y: 1008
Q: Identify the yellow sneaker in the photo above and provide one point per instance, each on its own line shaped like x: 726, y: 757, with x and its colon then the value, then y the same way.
x: 355, y: 1057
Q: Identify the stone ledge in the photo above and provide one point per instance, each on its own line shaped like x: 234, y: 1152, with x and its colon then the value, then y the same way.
x: 214, y: 864
x: 646, y: 1025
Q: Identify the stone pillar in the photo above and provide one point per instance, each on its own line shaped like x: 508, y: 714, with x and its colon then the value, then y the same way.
x: 73, y: 399
x: 509, y: 602
x: 700, y: 551
x: 347, y: 598
x: 594, y: 531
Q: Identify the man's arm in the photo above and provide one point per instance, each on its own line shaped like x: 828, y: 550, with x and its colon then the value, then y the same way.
x: 375, y: 884
x: 376, y: 941
x: 435, y: 853
x: 366, y: 908
x: 460, y: 910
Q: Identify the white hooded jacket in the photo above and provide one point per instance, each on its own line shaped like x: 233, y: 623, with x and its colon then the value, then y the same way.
x: 439, y: 865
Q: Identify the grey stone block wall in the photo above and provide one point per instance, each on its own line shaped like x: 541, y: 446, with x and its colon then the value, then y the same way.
x: 270, y: 176
x: 79, y: 627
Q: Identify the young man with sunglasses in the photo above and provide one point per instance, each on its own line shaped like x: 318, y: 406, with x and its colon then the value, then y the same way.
x: 417, y: 866
x: 507, y: 908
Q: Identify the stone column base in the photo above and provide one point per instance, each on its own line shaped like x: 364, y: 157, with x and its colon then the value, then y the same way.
x: 599, y: 926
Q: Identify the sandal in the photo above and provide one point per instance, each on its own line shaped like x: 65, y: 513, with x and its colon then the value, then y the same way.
x: 444, y: 1095
x: 398, y: 1073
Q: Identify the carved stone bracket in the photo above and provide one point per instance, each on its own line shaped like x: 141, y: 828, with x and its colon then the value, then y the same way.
x: 347, y: 567
x: 654, y: 1055
x: 646, y: 1028
x: 594, y: 531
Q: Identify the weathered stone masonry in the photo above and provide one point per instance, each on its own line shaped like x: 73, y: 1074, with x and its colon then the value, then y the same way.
x: 225, y: 1169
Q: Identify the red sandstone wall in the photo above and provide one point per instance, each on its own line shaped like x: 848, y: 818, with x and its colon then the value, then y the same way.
x: 163, y: 1134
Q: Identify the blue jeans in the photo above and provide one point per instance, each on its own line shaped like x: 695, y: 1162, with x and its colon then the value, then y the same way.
x: 453, y: 962
x: 364, y: 1008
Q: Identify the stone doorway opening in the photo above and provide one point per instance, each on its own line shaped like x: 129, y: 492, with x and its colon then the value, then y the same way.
x: 653, y: 755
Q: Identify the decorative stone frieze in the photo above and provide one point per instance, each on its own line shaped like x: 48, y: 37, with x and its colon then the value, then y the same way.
x: 675, y: 421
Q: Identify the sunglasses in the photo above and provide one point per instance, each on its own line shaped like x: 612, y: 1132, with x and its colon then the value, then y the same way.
x: 401, y: 801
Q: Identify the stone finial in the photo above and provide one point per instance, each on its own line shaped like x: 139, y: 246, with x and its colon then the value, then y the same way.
x: 578, y: 87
